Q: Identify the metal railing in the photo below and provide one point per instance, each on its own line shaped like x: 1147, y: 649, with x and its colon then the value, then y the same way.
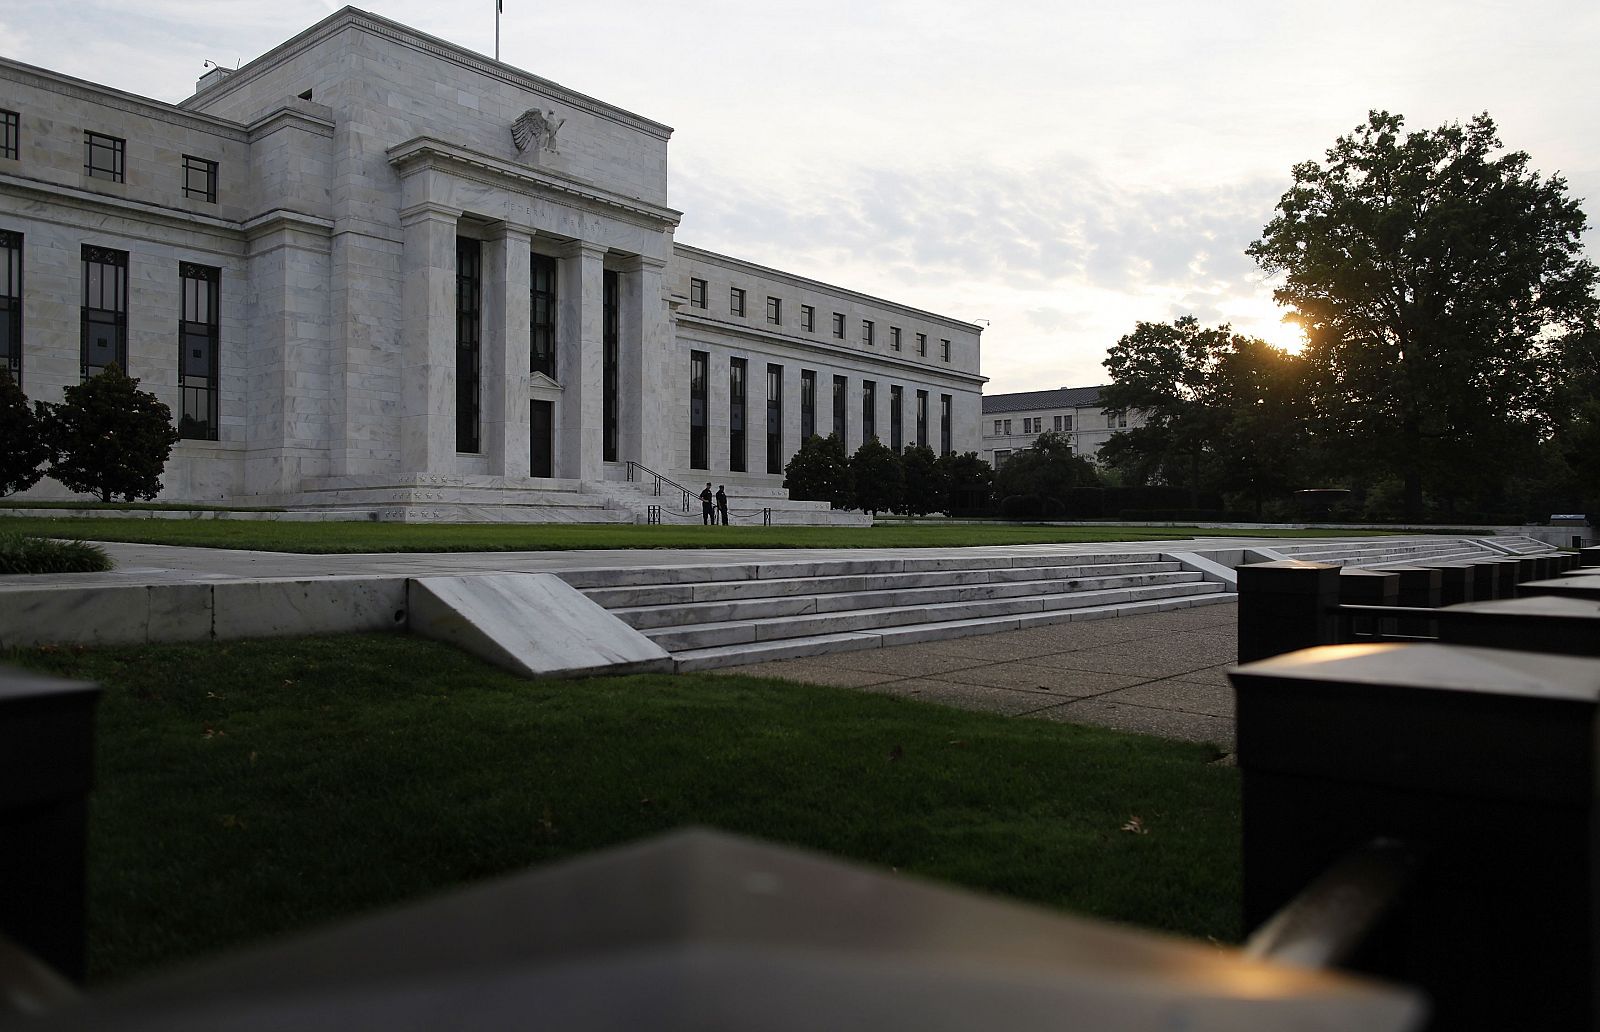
x: 634, y: 468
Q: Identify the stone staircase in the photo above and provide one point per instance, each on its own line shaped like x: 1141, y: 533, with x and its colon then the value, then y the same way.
x: 1392, y: 551
x: 735, y: 613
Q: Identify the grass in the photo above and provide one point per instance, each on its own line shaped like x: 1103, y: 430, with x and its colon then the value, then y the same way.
x: 22, y: 554
x: 276, y: 536
x: 249, y: 788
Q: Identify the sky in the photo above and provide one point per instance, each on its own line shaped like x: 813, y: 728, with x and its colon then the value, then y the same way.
x: 1057, y: 171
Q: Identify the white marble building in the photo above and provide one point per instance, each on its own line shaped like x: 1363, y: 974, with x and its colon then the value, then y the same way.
x: 1012, y: 422
x: 372, y: 269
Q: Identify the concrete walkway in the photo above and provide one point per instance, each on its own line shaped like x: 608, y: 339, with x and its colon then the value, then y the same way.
x: 1160, y: 674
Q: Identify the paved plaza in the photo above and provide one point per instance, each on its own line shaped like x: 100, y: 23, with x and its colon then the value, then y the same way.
x: 1157, y: 673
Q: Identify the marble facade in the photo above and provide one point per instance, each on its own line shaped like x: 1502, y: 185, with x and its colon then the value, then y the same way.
x: 353, y: 164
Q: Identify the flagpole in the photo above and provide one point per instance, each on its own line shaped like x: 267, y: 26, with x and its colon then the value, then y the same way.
x: 497, y: 6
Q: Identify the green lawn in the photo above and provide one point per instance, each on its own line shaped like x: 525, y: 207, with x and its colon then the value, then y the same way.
x: 276, y: 536
x: 250, y: 788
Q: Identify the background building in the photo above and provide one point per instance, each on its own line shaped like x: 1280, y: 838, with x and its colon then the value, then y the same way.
x: 374, y: 269
x: 1012, y: 422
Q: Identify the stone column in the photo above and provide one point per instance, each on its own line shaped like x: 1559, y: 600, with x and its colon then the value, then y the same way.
x: 428, y: 339
x: 579, y: 363
x: 507, y: 268
x: 644, y: 350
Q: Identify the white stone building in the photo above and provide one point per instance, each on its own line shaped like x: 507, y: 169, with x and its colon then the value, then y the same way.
x: 1012, y: 422
x: 374, y: 269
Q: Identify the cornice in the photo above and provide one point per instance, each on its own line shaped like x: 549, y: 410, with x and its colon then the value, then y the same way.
x: 285, y: 218
x: 911, y: 370
x: 765, y: 272
x: 146, y: 211
x: 289, y: 118
x: 404, y: 35
x: 94, y: 93
x: 424, y: 152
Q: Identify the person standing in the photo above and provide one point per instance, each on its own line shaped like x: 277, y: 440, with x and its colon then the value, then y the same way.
x: 708, y: 515
x: 722, y: 504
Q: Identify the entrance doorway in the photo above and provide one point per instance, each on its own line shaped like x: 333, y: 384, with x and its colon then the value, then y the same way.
x: 541, y: 426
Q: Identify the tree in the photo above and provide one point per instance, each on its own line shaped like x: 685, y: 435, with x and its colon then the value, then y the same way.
x: 877, y: 476
x: 926, y: 490
x: 1257, y: 393
x: 970, y: 481
x: 1436, y: 279
x: 1046, y: 470
x: 108, y: 437
x: 25, y: 450
x: 820, y: 472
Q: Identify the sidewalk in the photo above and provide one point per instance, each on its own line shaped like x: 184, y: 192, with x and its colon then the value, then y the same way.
x: 1160, y: 674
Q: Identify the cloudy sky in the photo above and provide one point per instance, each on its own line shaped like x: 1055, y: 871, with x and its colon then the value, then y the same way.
x: 1060, y: 169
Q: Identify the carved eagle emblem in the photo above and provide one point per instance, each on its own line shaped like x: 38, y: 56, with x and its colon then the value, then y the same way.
x: 536, y: 129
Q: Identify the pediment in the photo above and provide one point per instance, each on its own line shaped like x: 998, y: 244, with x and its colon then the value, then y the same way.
x: 539, y: 381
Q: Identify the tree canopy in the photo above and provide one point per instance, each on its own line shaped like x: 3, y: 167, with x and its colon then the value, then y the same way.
x: 25, y: 451
x: 1439, y: 282
x: 109, y: 437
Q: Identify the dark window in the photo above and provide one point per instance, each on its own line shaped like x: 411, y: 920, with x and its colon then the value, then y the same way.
x: 808, y: 404
x: 922, y: 345
x: 866, y: 332
x: 736, y: 399
x: 838, y: 325
x: 103, y: 156
x: 775, y: 311
x: 840, y: 390
x: 610, y: 367
x: 469, y: 327
x: 894, y: 338
x: 542, y: 316
x: 105, y: 310
x: 199, y: 178
x: 922, y: 418
x: 10, y: 134
x: 735, y: 301
x: 197, y: 351
x: 896, y: 420
x: 697, y: 293
x: 808, y: 318
x: 774, y: 419
x: 11, y: 304
x: 945, y: 446
x: 698, y: 382
x: 944, y: 349
x: 869, y: 405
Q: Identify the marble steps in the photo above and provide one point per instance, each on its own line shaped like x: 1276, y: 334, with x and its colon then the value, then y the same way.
x: 647, y: 618
x: 677, y: 639
x: 715, y: 656
x: 852, y: 582
x: 1383, y: 552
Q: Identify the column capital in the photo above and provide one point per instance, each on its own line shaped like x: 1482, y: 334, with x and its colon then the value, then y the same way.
x: 509, y: 232
x: 580, y: 249
x: 429, y: 211
x: 642, y: 263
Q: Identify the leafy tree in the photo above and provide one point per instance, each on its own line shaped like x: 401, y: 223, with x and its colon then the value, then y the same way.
x: 1046, y: 470
x: 1167, y: 372
x: 970, y: 481
x: 108, y: 437
x: 820, y: 472
x: 1258, y: 397
x: 1438, y: 280
x: 24, y: 449
x: 926, y: 490
x: 878, y: 478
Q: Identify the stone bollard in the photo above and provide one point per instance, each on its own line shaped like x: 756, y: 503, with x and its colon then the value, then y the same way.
x: 1485, y: 583
x: 1538, y: 623
x: 1589, y: 556
x: 1506, y: 572
x: 1359, y: 587
x: 1285, y: 605
x: 46, y: 769
x: 1573, y: 587
x: 1484, y: 763
x: 1419, y: 589
x: 1455, y: 583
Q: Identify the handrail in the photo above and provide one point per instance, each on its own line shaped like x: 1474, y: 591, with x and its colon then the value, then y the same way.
x: 659, y: 480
